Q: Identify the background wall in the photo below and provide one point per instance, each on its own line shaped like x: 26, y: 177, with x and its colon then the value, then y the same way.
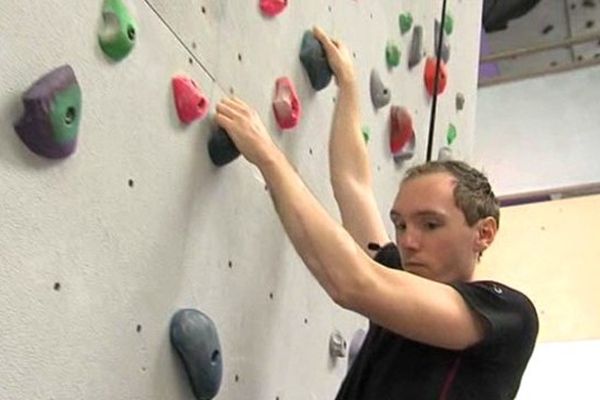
x: 98, y: 251
x: 539, y: 133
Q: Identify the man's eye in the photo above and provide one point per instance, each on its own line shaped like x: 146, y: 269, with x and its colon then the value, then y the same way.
x: 430, y: 225
x: 400, y: 226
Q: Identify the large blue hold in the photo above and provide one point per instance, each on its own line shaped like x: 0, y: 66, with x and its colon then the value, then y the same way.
x: 312, y: 56
x: 194, y: 336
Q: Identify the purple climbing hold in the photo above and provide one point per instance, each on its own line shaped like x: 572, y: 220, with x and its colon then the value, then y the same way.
x: 52, y: 111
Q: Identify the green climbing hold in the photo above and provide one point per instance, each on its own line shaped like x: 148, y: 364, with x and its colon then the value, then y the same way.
x: 118, y: 34
x: 392, y: 55
x: 448, y: 24
x: 451, y: 134
x: 405, y: 20
x: 366, y: 133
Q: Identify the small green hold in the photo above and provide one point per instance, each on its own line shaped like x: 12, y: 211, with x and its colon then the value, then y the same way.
x: 392, y: 55
x: 405, y: 20
x: 451, y: 135
x: 448, y: 24
x: 118, y: 34
x: 366, y: 133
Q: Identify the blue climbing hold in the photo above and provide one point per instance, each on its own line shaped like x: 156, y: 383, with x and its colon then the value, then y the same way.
x: 194, y: 336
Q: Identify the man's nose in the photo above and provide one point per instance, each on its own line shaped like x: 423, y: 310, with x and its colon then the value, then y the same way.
x: 409, y: 239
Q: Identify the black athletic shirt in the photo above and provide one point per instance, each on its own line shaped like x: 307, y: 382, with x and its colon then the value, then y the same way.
x: 390, y: 367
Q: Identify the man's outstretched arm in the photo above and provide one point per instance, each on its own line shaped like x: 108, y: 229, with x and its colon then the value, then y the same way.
x: 349, y: 165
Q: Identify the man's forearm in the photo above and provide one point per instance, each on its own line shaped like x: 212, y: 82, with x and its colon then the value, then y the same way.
x: 348, y: 155
x: 329, y: 252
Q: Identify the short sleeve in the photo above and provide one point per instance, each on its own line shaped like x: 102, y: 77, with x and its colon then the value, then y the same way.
x: 511, y: 319
x: 389, y: 256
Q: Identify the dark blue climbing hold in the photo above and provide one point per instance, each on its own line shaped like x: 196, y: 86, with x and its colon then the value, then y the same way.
x: 312, y: 56
x: 221, y: 148
x: 194, y: 336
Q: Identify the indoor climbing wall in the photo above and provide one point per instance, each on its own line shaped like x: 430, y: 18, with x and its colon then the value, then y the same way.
x: 114, y: 216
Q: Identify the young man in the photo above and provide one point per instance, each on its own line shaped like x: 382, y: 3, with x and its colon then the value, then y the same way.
x: 435, y: 333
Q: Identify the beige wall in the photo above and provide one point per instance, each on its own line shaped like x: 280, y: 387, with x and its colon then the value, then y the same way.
x: 551, y: 252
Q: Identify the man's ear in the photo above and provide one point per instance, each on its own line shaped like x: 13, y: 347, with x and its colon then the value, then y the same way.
x: 486, y: 232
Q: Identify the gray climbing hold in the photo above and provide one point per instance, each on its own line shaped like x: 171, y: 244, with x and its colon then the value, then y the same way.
x: 337, y: 345
x: 194, y: 336
x: 380, y: 94
x: 445, y: 153
x: 445, y: 51
x: 460, y: 101
x: 355, y: 344
x: 312, y: 56
x: 416, y: 47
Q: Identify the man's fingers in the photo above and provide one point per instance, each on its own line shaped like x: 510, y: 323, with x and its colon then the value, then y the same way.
x: 323, y: 38
x: 227, y: 108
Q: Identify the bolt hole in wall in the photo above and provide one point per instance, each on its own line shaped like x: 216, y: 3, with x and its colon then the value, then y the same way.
x: 519, y: 141
x: 57, y: 286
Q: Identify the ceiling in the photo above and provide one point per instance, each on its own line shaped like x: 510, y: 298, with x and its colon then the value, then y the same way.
x: 567, y: 33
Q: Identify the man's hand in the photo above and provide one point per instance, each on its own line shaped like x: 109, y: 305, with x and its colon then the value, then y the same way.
x: 338, y: 57
x: 246, y: 129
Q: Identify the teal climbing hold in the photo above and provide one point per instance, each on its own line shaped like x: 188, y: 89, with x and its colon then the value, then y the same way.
x: 451, y: 134
x: 392, y: 54
x: 194, y: 336
x: 119, y: 30
x: 405, y: 21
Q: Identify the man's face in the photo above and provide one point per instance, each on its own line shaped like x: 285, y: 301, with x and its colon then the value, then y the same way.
x: 431, y: 231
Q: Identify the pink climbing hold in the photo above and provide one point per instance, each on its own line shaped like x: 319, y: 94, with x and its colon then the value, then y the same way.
x: 286, y: 105
x: 402, y: 134
x: 272, y: 7
x: 430, y: 67
x: 190, y: 103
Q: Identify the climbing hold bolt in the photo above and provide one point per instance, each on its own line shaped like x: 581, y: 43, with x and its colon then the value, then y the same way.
x: 52, y: 111
x: 190, y: 103
x: 286, y: 105
x: 194, y: 336
x: 314, y: 60
x: 118, y: 33
x: 221, y: 148
x: 380, y: 94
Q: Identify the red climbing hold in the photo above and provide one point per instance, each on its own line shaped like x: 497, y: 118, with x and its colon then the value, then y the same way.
x: 272, y: 7
x: 286, y: 104
x: 191, y: 104
x: 430, y: 67
x: 402, y: 134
